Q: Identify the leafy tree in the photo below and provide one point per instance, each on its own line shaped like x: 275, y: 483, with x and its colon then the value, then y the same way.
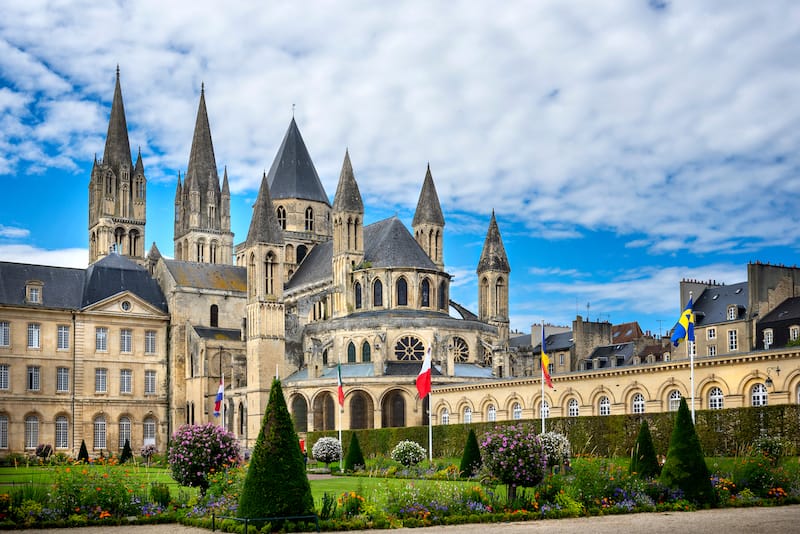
x: 127, y: 453
x: 471, y: 458
x: 556, y: 447
x: 408, y: 453
x: 514, y: 456
x: 644, y: 462
x: 83, y: 454
x: 327, y: 450
x: 276, y: 484
x: 196, y: 450
x: 686, y: 467
x: 354, y: 458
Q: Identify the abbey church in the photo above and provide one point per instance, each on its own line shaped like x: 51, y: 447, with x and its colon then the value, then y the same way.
x: 138, y: 343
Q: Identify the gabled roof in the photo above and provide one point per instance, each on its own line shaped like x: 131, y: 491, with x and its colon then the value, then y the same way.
x: 208, y: 275
x: 114, y: 274
x: 202, y: 170
x: 292, y: 174
x: 117, y: 151
x: 348, y: 197
x: 712, y: 305
x: 387, y: 243
x: 63, y: 287
x: 428, y: 211
x: 785, y: 311
x: 556, y: 342
x: 264, y: 227
x: 620, y: 350
x: 622, y: 333
x: 493, y: 255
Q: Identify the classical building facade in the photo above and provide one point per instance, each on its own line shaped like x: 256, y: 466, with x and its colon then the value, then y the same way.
x: 138, y: 344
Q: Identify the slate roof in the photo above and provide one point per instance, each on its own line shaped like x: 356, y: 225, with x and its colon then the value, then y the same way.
x: 606, y: 353
x: 117, y: 151
x: 556, y: 342
x: 712, y: 305
x: 785, y: 311
x: 520, y: 341
x: 387, y: 243
x: 219, y: 334
x: 63, y: 287
x: 292, y: 174
x: 493, y: 255
x: 471, y: 370
x: 406, y: 369
x: 114, y: 274
x: 348, y: 197
x: 264, y: 227
x: 429, y: 210
x: 208, y: 275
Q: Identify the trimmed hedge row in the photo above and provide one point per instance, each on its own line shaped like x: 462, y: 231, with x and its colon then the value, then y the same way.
x: 721, y: 432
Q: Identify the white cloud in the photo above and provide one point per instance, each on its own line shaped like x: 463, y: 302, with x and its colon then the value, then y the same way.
x: 70, y: 257
x: 13, y: 233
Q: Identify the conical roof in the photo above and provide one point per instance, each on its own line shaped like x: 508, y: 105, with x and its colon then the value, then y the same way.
x: 202, y: 168
x: 292, y: 174
x: 117, y: 151
x: 348, y: 197
x: 429, y: 211
x: 264, y: 227
x: 493, y: 255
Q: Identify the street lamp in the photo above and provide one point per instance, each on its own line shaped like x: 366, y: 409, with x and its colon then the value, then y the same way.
x: 768, y: 382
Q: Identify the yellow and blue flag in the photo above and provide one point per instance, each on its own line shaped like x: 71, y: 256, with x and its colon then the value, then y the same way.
x: 684, y: 328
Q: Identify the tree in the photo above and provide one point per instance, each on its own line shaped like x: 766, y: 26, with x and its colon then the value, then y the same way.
x: 643, y: 456
x: 355, y: 458
x: 127, y: 453
x: 408, y: 453
x: 276, y: 484
x: 471, y: 458
x: 686, y: 467
x: 514, y: 456
x: 196, y: 450
x: 557, y: 449
x: 327, y: 450
x: 83, y: 454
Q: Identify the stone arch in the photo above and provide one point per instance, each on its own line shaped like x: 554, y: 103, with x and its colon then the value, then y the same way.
x: 633, y: 388
x: 703, y: 386
x: 299, y: 405
x: 666, y: 387
x: 393, y: 409
x: 570, y: 393
x: 324, y: 409
x: 361, y: 409
x: 747, y: 381
x: 601, y: 391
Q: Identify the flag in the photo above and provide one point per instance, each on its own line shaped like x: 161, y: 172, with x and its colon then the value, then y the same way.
x: 340, y: 390
x: 218, y: 399
x: 424, y: 376
x: 545, y: 364
x: 684, y: 328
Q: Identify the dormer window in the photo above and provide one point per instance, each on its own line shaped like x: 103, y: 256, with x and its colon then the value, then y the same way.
x: 794, y: 333
x: 768, y: 338
x: 33, y: 292
x: 732, y: 313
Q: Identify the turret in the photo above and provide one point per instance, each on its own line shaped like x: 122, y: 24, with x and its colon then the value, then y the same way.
x: 428, y: 223
x: 348, y: 234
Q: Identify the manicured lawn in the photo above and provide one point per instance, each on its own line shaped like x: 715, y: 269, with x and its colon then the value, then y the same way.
x: 372, y: 489
x: 16, y: 476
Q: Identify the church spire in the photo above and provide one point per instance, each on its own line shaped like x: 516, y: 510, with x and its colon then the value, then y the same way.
x: 117, y: 151
x: 264, y: 226
x: 493, y: 255
x: 202, y: 164
x: 348, y: 197
x: 429, y: 211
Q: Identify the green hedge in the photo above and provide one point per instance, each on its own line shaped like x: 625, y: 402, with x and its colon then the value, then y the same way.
x: 721, y: 432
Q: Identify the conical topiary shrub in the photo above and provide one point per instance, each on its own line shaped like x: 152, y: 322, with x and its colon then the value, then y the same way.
x: 471, y: 458
x: 686, y: 467
x: 83, y: 454
x: 643, y: 457
x: 355, y: 458
x: 276, y: 484
x: 127, y: 453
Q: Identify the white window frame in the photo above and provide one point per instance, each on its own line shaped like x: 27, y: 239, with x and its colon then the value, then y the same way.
x: 34, y: 336
x: 768, y: 337
x: 467, y: 415
x: 62, y: 432
x: 124, y: 431
x: 445, y: 417
x: 605, y: 406
x: 149, y: 431
x: 31, y: 432
x: 573, y: 408
x: 733, y: 340
x: 516, y: 411
x: 101, y: 339
x: 34, y: 378
x: 149, y: 382
x: 638, y: 403
x: 716, y: 400
x: 126, y: 340
x: 544, y: 409
x: 674, y: 401
x: 794, y: 333
x: 711, y: 333
x: 758, y: 395
x: 491, y: 413
x: 62, y: 342
x: 34, y: 295
x: 99, y: 434
x: 62, y: 379
x: 149, y: 341
x: 712, y: 350
x: 3, y: 431
x: 732, y: 313
x: 5, y: 373
x: 100, y: 381
x: 5, y: 334
x: 125, y: 381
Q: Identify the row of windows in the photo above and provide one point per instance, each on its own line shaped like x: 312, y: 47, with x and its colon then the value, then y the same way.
x: 33, y: 379
x: 280, y: 212
x: 33, y: 425
x: 401, y: 294
x: 63, y: 336
x: 715, y: 400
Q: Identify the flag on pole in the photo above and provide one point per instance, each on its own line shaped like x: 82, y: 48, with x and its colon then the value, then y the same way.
x: 545, y: 363
x: 684, y: 328
x: 340, y: 389
x: 424, y: 376
x: 218, y: 399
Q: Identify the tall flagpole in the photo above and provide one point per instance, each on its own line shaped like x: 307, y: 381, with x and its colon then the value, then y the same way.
x: 541, y: 365
x: 341, y: 409
x: 430, y: 428
x: 689, y: 347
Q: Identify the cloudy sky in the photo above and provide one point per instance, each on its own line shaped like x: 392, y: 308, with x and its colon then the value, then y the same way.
x: 624, y: 145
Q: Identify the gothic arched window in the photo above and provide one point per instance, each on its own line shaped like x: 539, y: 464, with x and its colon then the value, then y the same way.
x: 357, y: 291
x: 402, y: 292
x: 425, y: 294
x: 214, y: 315
x: 281, y: 213
x: 442, y: 300
x: 366, y: 352
x: 309, y: 219
x: 351, y: 353
x: 377, y: 293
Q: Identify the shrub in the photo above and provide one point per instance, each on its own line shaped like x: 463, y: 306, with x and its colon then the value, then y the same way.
x: 753, y: 473
x: 514, y: 456
x: 148, y: 451
x: 643, y: 456
x: 196, y: 450
x: 471, y: 459
x: 773, y: 447
x: 686, y: 467
x: 83, y: 454
x: 408, y: 453
x: 127, y: 453
x: 159, y: 493
x: 556, y: 448
x: 327, y: 450
x: 276, y: 483
x: 354, y: 459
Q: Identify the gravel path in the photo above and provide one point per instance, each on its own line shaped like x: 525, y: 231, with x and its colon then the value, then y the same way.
x: 774, y: 520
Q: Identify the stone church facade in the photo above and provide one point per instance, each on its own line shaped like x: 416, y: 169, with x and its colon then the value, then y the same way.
x: 138, y: 344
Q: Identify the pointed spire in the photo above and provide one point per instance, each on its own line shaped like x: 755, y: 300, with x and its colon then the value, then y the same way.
x: 202, y: 164
x: 139, y: 169
x: 117, y: 151
x: 179, y: 189
x: 429, y: 211
x: 493, y: 255
x: 348, y: 197
x: 264, y: 226
x: 154, y: 253
x: 292, y: 174
x: 226, y: 190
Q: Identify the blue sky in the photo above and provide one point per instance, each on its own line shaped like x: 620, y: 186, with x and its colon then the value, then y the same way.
x: 624, y: 145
